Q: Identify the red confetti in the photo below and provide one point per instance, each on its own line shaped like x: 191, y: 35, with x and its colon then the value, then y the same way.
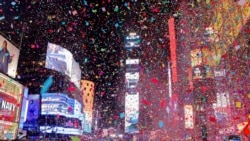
x: 212, y: 119
x: 154, y: 80
x: 163, y: 103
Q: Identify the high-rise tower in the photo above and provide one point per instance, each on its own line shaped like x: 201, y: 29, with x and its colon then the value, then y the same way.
x: 132, y: 44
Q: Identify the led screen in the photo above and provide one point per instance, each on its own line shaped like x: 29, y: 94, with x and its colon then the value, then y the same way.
x: 87, y: 122
x: 132, y: 41
x: 9, y: 68
x: 129, y: 75
x: 59, y: 59
x: 189, y: 116
x: 61, y: 125
x: 58, y: 104
x: 33, y: 112
x: 76, y: 74
x: 11, y: 94
x: 61, y: 114
x: 24, y: 108
x: 132, y: 61
x: 171, y: 28
x: 131, y: 113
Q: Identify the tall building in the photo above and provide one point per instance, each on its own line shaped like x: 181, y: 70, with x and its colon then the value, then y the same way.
x: 88, y: 90
x: 132, y: 61
x: 207, y: 51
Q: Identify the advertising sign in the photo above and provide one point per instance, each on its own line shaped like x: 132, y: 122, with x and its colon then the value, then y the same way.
x: 76, y: 74
x: 61, y: 130
x: 189, y: 116
x: 131, y: 113
x: 24, y: 108
x: 203, y: 62
x: 222, y: 107
x: 11, y: 94
x: 60, y: 106
x: 171, y: 27
x: 88, y: 121
x: 132, y: 65
x: 8, y: 58
x: 33, y: 112
x: 57, y: 104
x: 59, y: 59
x: 132, y: 41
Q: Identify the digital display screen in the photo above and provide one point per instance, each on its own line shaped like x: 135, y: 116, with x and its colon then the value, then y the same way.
x: 61, y: 114
x: 60, y: 104
x: 131, y: 113
x: 33, y: 112
x: 11, y: 95
x: 12, y: 55
x: 132, y: 41
x: 59, y: 59
x: 234, y: 138
x: 24, y: 110
x: 189, y: 116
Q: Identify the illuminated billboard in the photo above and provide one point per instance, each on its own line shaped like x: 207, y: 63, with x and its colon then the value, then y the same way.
x: 88, y: 121
x: 132, y: 41
x: 8, y: 58
x: 59, y: 107
x: 171, y: 28
x: 59, y: 59
x: 132, y: 61
x: 60, y: 104
x: 132, y: 65
x: 222, y: 109
x: 76, y: 74
x: 33, y: 112
x: 61, y: 130
x: 24, y: 110
x: 61, y: 125
x: 203, y: 61
x: 189, y: 116
x: 131, y: 113
x: 11, y: 94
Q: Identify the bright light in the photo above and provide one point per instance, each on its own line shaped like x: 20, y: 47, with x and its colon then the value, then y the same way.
x: 132, y: 34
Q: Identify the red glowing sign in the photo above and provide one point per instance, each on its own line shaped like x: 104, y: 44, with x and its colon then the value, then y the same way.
x: 172, y: 48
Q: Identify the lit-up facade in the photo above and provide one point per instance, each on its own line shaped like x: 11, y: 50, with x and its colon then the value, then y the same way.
x: 87, y: 88
x: 131, y: 85
x: 212, y: 50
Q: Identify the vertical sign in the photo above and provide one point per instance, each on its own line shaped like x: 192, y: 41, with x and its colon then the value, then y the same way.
x: 189, y: 116
x: 131, y: 113
x: 172, y: 48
